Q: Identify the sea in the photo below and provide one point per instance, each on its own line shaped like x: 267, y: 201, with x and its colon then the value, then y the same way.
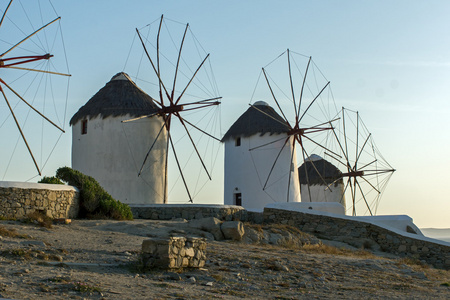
x: 437, y: 233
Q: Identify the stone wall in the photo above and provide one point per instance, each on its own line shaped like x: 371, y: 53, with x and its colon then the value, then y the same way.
x: 189, y: 212
x: 174, y: 252
x: 19, y: 199
x: 364, y: 234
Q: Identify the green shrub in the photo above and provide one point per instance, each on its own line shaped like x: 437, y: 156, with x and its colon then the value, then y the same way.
x: 51, y: 180
x: 95, y: 201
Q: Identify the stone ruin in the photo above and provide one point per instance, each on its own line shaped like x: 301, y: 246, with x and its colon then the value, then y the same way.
x: 174, y: 252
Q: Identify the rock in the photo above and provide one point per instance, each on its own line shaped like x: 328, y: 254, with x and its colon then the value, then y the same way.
x: 33, y: 243
x: 192, y: 279
x: 233, y: 230
x: 173, y: 276
x: 62, y: 221
x: 209, y: 284
x: 210, y: 224
x: 251, y: 235
x: 275, y: 238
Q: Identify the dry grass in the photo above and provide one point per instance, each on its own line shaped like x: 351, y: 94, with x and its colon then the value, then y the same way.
x: 413, y: 262
x: 325, y: 249
x: 12, y: 233
x: 29, y: 254
x: 38, y: 217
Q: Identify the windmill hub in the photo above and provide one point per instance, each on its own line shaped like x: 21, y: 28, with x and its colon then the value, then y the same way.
x: 296, y: 131
x: 171, y: 109
x: 353, y: 174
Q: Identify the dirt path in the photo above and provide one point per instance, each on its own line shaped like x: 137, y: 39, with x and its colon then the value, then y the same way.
x: 98, y: 260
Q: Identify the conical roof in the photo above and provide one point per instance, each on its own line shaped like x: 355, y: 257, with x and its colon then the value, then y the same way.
x: 119, y: 97
x: 329, y: 172
x: 258, y: 119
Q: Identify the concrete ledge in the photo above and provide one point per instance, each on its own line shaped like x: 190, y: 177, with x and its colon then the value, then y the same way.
x: 37, y: 186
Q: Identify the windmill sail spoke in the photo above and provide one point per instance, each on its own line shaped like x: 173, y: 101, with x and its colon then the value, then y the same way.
x: 345, y: 189
x: 193, y: 145
x: 357, y: 140
x: 157, y: 62
x: 36, y: 70
x: 274, y: 163
x: 263, y: 112
x: 292, y: 86
x: 192, y: 78
x: 364, y: 197
x: 38, y: 112
x: 377, y: 172
x: 273, y: 96
x: 153, y: 65
x: 179, y: 167
x: 202, y: 106
x: 151, y: 147
x: 307, y: 175
x: 27, y: 37
x: 4, y: 13
x: 366, y: 165
x: 353, y: 193
x: 290, y: 171
x: 266, y: 144
x: 319, y: 145
x: 205, y: 101
x: 362, y: 148
x: 345, y: 136
x: 315, y: 169
x: 301, y: 92
x: 314, y: 100
x: 368, y: 182
x: 336, y: 159
x: 167, y: 120
x: 327, y: 122
x: 20, y: 130
x: 140, y: 118
x: 178, y: 61
x: 201, y: 130
x: 340, y: 146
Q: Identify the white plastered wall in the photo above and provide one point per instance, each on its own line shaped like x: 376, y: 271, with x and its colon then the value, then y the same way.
x: 112, y: 152
x: 320, y: 193
x: 247, y: 171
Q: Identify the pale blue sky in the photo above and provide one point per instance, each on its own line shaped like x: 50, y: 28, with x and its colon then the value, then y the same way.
x: 390, y: 60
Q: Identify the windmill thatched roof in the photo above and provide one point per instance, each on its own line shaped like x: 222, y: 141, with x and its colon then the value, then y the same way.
x: 258, y: 119
x: 327, y: 170
x: 118, y: 97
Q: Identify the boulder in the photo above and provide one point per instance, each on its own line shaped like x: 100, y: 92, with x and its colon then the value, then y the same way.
x: 233, y: 230
x: 211, y: 225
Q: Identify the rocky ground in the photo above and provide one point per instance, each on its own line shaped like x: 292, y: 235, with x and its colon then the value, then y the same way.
x: 100, y: 260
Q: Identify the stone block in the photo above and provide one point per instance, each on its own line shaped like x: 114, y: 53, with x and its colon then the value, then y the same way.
x: 402, y: 248
x: 211, y: 225
x: 174, y: 252
x: 233, y: 230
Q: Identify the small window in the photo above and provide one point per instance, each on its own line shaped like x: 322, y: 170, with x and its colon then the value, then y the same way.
x: 237, y: 142
x: 238, y: 199
x: 84, y: 127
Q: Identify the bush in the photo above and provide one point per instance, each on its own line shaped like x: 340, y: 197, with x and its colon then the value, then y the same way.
x: 40, y: 218
x: 50, y: 180
x: 95, y: 201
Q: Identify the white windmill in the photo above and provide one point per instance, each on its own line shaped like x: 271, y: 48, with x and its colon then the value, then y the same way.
x: 249, y: 153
